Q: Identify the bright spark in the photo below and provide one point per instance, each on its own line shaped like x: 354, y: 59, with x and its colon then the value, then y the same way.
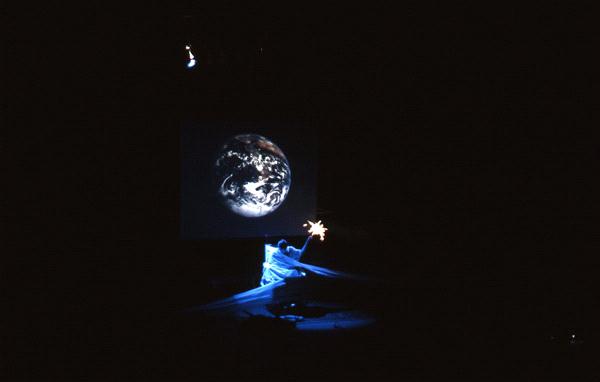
x: 316, y: 229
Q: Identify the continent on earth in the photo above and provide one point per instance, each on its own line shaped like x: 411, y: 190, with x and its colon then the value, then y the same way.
x: 254, y: 175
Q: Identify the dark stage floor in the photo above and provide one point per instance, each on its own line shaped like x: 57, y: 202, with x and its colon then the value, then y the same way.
x: 417, y: 334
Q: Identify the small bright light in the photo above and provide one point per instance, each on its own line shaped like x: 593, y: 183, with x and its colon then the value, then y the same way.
x: 192, y: 61
x: 316, y: 229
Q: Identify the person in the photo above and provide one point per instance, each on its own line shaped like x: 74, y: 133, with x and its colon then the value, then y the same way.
x: 277, y: 264
x: 293, y: 252
x: 281, y: 262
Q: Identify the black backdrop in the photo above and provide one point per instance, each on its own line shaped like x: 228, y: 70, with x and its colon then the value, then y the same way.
x: 457, y: 146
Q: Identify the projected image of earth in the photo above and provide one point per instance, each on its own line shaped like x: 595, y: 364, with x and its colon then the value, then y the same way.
x: 254, y: 175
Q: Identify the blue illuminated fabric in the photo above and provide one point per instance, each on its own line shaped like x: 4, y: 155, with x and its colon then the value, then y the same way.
x: 284, y: 280
x: 278, y: 273
x: 278, y: 265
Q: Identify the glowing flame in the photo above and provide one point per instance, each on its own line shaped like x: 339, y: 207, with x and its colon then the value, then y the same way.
x: 316, y: 229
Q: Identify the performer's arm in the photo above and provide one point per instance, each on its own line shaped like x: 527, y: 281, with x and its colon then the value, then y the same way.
x: 308, y: 239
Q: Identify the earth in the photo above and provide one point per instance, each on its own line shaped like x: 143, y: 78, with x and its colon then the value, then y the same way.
x: 254, y: 175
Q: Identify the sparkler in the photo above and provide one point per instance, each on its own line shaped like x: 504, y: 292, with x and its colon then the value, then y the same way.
x: 316, y: 229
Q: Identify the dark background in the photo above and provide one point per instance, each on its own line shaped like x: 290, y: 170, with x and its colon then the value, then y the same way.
x: 205, y: 216
x: 458, y: 156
